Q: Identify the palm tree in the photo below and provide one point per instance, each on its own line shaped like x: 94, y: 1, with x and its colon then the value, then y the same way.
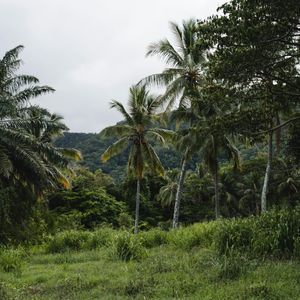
x: 185, y: 64
x: 185, y: 60
x: 167, y: 193
x: 134, y: 133
x: 211, y: 149
x: 24, y: 155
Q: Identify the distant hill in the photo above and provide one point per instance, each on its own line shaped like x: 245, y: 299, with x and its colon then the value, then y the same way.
x: 92, y: 145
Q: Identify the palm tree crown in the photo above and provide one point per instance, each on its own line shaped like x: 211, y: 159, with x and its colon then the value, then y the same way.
x: 135, y: 132
x: 26, y: 153
x: 185, y: 60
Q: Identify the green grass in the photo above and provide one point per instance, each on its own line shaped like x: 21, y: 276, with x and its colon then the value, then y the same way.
x: 255, y: 258
x: 164, y: 273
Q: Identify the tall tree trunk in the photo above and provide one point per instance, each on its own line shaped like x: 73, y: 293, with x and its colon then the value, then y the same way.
x: 179, y: 190
x: 267, y: 174
x: 217, y: 193
x: 137, y: 206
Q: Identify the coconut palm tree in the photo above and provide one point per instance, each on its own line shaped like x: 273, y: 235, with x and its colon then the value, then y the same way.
x: 167, y: 193
x: 212, y: 147
x: 184, y: 72
x: 134, y: 134
x: 185, y: 64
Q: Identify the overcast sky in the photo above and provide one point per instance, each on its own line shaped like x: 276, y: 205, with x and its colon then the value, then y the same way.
x: 91, y: 51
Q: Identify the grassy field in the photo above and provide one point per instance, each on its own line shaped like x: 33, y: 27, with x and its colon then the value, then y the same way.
x: 188, y: 263
x: 163, y: 273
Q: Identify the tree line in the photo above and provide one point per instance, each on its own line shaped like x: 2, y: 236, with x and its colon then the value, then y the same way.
x: 231, y: 92
x: 232, y: 76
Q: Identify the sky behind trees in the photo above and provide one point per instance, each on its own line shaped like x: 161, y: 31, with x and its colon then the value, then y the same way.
x: 91, y: 51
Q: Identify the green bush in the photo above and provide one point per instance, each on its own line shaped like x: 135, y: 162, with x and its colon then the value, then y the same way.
x: 86, y: 208
x: 126, y: 246
x: 69, y: 240
x: 101, y: 237
x: 12, y: 260
x: 201, y: 234
x: 234, y: 234
x: 153, y: 238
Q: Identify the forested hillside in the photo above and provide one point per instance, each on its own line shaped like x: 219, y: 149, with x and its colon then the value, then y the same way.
x: 92, y: 146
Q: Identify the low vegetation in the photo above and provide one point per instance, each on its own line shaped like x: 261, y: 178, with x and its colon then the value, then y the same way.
x: 252, y: 258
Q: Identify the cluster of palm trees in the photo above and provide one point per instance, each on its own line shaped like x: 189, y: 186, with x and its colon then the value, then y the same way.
x: 27, y: 154
x: 182, y: 100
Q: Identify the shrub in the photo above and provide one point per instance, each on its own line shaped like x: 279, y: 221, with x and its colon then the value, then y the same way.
x: 12, y: 260
x: 69, y: 240
x: 88, y: 208
x: 233, y: 234
x: 101, y: 237
x: 125, y: 220
x: 196, y: 235
x: 126, y: 246
x: 153, y: 238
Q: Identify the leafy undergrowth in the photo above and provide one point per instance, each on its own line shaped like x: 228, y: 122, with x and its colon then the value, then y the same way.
x: 213, y: 260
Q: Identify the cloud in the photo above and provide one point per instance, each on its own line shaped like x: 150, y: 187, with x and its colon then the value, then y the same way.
x: 91, y: 51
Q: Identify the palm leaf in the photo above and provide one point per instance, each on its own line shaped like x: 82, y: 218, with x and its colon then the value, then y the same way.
x: 115, y: 149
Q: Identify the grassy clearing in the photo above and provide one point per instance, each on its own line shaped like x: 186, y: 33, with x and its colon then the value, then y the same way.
x: 165, y: 273
x: 205, y: 261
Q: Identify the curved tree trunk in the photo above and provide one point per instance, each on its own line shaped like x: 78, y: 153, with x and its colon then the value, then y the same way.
x: 137, y: 206
x: 179, y: 191
x: 267, y: 174
x: 217, y: 193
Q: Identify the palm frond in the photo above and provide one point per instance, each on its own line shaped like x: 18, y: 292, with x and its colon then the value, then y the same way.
x: 117, y: 131
x: 166, y: 51
x: 152, y: 159
x: 120, y: 108
x: 115, y: 149
x: 32, y: 92
x: 164, y: 135
x: 70, y: 153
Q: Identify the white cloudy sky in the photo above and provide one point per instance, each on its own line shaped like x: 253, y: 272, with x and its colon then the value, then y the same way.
x: 91, y: 51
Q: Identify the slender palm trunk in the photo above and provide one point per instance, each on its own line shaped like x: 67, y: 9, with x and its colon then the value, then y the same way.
x: 217, y: 193
x: 267, y: 174
x: 179, y: 191
x: 137, y: 206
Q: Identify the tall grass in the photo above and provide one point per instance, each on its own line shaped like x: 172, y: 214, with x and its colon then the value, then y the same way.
x: 12, y: 259
x: 273, y: 234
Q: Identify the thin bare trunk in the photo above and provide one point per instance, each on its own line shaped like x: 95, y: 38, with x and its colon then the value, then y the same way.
x: 217, y: 193
x: 267, y: 174
x: 179, y: 191
x: 137, y: 206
